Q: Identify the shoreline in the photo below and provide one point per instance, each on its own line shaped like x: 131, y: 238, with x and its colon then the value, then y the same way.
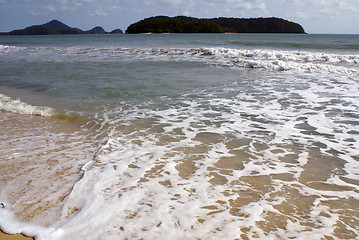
x: 41, y: 160
x: 18, y: 236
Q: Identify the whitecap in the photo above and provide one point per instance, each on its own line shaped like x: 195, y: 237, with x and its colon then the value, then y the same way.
x: 17, y: 106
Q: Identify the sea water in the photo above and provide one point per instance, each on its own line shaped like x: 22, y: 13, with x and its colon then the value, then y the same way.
x: 181, y: 136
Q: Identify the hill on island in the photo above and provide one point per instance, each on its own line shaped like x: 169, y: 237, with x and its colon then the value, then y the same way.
x: 56, y: 27
x: 179, y: 24
x: 182, y: 24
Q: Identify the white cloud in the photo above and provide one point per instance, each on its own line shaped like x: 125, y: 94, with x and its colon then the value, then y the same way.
x: 292, y: 2
x: 348, y: 7
x: 244, y: 8
x: 247, y: 4
x: 198, y: 7
x: 98, y: 12
x: 328, y: 13
x: 320, y: 9
x: 233, y: 1
x: 116, y: 8
x: 72, y: 5
x: 232, y: 8
x: 304, y: 2
x: 46, y: 10
x: 51, y: 8
x: 68, y: 8
x: 299, y: 15
x: 342, y: 4
x: 162, y: 2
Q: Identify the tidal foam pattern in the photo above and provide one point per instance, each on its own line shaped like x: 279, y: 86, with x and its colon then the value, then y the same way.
x: 269, y: 163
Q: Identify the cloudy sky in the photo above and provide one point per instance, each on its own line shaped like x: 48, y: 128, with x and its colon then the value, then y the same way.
x: 316, y: 16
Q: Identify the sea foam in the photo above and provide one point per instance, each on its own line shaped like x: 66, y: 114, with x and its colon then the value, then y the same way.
x: 274, y: 60
x: 271, y: 156
x: 17, y: 106
x: 209, y: 168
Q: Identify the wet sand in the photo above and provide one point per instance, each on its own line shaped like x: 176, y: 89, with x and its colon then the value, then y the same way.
x: 40, y: 160
x: 4, y: 236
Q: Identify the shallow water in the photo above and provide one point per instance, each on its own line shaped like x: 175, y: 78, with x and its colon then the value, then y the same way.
x: 180, y: 137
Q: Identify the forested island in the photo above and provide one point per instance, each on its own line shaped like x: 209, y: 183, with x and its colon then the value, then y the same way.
x: 182, y: 24
x: 56, y: 27
x: 179, y: 24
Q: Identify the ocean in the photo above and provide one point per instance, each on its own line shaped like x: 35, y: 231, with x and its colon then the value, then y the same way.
x: 180, y: 136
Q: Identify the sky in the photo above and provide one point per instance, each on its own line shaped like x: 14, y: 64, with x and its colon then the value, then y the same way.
x: 316, y: 16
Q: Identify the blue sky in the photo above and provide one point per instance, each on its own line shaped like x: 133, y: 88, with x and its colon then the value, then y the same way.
x: 316, y: 16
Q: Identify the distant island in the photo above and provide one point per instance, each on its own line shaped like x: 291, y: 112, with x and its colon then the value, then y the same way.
x: 182, y: 24
x: 179, y: 24
x: 56, y: 27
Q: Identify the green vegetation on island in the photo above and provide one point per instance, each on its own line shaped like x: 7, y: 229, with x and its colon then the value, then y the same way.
x: 182, y: 24
x: 179, y: 24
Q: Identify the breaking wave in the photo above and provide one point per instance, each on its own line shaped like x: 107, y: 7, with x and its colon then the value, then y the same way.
x: 274, y: 60
x: 16, y: 106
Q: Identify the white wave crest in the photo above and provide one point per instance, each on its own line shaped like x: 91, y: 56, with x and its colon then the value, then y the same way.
x: 16, y: 106
x: 275, y: 60
x: 268, y: 59
x: 5, y: 48
x: 280, y: 60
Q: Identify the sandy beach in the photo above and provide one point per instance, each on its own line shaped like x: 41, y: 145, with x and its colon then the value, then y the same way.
x: 180, y: 136
x: 33, y: 145
x: 4, y: 236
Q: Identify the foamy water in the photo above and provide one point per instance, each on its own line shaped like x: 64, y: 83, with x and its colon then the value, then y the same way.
x: 182, y: 143
x: 16, y: 106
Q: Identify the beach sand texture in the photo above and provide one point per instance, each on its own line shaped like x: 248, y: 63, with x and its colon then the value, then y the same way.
x: 4, y: 236
x: 38, y: 143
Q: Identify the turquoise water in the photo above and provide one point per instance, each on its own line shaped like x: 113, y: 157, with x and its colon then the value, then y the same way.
x: 180, y: 136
